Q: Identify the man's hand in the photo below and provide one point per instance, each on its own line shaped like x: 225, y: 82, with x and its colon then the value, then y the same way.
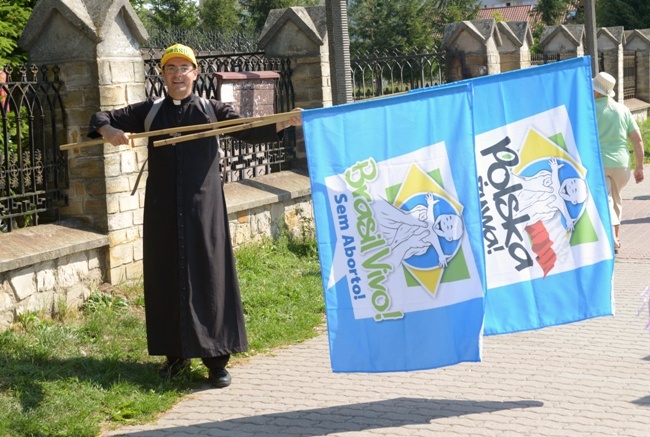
x: 296, y: 120
x: 113, y: 135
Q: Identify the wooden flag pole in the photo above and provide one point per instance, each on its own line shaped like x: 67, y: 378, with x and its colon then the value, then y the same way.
x: 261, y: 121
x: 266, y: 119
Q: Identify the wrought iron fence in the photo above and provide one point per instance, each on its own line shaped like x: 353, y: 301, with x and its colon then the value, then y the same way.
x: 32, y: 169
x: 378, y: 74
x: 206, y: 40
x: 543, y: 58
x: 629, y: 75
x: 242, y: 160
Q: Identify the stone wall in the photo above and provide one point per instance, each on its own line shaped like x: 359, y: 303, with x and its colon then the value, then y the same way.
x: 262, y: 207
x: 46, y: 266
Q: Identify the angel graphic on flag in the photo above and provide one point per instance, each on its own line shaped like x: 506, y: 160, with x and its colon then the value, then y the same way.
x: 543, y: 194
x: 553, y: 205
x: 414, y: 232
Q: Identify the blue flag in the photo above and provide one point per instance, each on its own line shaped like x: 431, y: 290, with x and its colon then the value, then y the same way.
x: 398, y: 226
x: 426, y: 203
x: 547, y: 233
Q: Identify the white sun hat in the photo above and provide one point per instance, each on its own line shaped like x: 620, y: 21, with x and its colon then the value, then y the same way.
x: 604, y: 84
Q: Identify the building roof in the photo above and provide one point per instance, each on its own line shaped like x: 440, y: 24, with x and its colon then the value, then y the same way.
x: 509, y: 13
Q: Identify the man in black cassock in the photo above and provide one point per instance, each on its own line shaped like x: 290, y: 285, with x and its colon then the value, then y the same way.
x: 193, y: 305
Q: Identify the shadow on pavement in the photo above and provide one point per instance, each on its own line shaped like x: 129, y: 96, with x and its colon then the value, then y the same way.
x: 391, y: 413
x: 635, y: 221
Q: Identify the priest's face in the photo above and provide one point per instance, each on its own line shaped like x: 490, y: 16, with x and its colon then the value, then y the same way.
x: 179, y: 75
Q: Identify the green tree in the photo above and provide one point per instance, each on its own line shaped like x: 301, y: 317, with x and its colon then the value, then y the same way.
x: 451, y: 11
x: 13, y: 17
x: 552, y: 12
x: 223, y: 16
x: 159, y: 15
x: 398, y: 25
x: 258, y: 10
x: 577, y: 14
x: 404, y: 25
x: 631, y: 14
x: 498, y: 16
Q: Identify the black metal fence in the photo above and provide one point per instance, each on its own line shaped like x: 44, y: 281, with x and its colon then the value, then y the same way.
x: 378, y: 74
x: 242, y: 160
x: 629, y: 75
x: 543, y: 58
x: 33, y: 171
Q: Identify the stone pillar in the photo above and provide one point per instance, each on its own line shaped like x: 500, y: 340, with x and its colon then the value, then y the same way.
x: 567, y: 41
x: 610, y: 47
x: 301, y: 35
x: 471, y: 48
x: 339, y: 46
x: 95, y: 43
x: 639, y: 41
x: 516, y: 40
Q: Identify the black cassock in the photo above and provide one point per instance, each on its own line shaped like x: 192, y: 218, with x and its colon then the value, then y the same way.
x: 192, y: 300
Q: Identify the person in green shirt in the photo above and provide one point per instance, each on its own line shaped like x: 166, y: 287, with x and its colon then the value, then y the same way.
x: 615, y: 127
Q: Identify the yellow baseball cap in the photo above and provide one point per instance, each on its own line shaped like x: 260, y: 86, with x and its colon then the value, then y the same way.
x: 178, y: 51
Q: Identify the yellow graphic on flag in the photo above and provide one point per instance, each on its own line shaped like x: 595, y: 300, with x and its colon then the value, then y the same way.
x: 537, y: 147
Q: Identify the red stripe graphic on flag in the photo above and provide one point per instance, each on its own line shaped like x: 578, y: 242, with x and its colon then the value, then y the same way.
x: 542, y: 246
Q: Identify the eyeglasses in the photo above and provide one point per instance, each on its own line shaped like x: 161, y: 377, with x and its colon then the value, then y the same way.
x: 184, y: 69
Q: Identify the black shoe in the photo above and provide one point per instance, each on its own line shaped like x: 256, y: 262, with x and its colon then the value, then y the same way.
x: 219, y: 378
x: 171, y: 369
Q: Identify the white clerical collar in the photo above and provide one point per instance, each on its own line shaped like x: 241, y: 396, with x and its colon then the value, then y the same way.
x: 176, y: 102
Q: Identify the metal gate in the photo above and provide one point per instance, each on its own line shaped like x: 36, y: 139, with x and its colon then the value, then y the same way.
x: 32, y: 169
x: 629, y: 75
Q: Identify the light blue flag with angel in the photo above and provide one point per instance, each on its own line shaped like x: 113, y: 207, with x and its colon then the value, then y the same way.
x: 547, y: 232
x: 398, y: 226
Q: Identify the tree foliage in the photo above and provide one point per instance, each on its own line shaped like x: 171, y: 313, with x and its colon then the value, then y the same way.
x: 451, y: 11
x: 13, y: 17
x: 222, y: 15
x: 159, y: 15
x: 552, y: 12
x: 631, y: 14
x: 404, y: 25
x: 258, y: 10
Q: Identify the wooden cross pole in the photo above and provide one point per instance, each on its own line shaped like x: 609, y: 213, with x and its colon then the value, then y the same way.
x: 248, y: 122
x: 251, y: 123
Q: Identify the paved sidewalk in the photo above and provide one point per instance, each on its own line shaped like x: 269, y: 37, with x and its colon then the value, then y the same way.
x: 587, y: 378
